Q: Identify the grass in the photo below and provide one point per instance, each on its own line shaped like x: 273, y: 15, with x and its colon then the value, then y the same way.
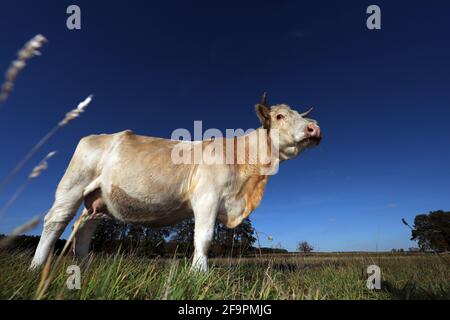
x: 123, y: 276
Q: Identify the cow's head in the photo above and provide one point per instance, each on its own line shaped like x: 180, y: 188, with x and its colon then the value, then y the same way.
x: 296, y: 132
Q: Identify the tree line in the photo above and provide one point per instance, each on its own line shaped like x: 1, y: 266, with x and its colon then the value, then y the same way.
x: 431, y: 231
x: 113, y: 235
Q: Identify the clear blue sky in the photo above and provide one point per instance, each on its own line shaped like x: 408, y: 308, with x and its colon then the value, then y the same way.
x: 382, y: 99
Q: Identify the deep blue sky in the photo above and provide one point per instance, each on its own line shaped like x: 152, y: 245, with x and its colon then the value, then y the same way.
x: 382, y: 99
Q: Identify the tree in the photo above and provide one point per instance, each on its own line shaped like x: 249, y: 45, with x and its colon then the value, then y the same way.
x: 139, y: 239
x: 432, y: 231
x: 134, y: 238
x: 244, y: 237
x: 226, y: 242
x: 183, y: 236
x: 233, y: 242
x: 108, y: 236
x: 155, y: 241
x: 304, y: 247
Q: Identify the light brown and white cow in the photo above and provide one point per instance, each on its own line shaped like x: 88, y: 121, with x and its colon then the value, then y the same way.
x: 133, y: 178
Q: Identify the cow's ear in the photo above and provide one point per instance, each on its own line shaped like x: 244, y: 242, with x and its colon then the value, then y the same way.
x: 263, y: 113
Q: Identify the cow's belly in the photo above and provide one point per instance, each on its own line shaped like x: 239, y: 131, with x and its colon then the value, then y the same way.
x: 153, y: 209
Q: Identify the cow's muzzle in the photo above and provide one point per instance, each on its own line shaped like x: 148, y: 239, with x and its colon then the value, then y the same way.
x: 312, y: 130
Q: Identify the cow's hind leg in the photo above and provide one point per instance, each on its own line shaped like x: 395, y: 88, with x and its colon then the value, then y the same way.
x: 67, y: 202
x: 80, y: 174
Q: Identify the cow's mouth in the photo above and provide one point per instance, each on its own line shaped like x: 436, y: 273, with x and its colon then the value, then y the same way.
x: 311, y: 142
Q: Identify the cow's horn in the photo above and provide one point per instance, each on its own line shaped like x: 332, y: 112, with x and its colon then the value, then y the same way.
x: 305, y: 114
x: 264, y: 99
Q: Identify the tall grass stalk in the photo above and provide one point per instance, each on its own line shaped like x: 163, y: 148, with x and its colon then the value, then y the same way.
x: 35, y: 173
x: 70, y: 116
x: 29, y: 51
x: 27, y: 226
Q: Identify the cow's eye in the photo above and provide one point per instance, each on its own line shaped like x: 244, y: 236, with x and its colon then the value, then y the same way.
x: 280, y: 116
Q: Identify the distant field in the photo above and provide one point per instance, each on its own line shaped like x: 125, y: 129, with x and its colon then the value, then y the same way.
x: 322, y: 276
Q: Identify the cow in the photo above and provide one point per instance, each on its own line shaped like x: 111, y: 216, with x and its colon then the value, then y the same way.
x: 135, y: 179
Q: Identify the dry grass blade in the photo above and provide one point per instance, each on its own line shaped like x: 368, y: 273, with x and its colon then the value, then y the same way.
x: 29, y: 51
x: 168, y: 284
x: 70, y: 116
x: 75, y: 113
x: 43, y: 165
x: 27, y: 226
x: 35, y: 173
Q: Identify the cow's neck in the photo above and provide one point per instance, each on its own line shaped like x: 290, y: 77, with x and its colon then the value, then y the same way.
x: 259, y: 153
x: 253, y: 175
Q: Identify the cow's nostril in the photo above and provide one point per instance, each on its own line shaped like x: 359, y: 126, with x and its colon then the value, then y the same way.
x: 312, y: 130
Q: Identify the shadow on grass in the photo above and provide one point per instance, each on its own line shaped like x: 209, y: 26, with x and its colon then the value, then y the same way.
x: 411, y: 291
x: 283, y: 266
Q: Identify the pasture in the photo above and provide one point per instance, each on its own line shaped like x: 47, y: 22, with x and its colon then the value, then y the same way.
x: 331, y: 276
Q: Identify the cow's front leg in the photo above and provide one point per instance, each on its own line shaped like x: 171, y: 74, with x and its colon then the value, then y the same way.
x: 205, y: 213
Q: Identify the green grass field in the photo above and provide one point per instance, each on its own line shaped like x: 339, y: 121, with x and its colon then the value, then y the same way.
x: 323, y: 276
